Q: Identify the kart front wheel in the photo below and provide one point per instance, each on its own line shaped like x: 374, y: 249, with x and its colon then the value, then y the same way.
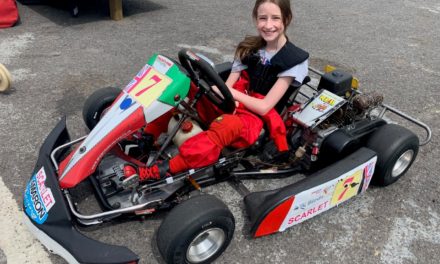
x: 396, y: 149
x: 196, y: 231
x: 97, y: 103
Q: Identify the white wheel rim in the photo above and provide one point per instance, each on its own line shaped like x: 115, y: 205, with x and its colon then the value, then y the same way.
x: 402, y: 163
x: 205, y: 245
x: 104, y: 112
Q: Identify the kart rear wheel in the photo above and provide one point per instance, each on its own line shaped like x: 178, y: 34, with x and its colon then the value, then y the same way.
x: 396, y: 149
x: 97, y: 103
x: 196, y: 231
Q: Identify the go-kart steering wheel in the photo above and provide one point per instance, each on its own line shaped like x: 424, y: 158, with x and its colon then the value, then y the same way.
x: 203, y: 74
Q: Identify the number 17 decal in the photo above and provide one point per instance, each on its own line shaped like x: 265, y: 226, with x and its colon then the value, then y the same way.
x: 156, y: 79
x: 149, y: 86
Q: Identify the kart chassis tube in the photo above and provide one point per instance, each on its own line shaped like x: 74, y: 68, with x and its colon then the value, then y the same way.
x: 54, y: 152
x: 100, y: 217
x: 386, y: 108
x: 409, y: 118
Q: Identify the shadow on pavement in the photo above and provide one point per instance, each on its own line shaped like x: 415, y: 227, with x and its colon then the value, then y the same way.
x: 61, y: 13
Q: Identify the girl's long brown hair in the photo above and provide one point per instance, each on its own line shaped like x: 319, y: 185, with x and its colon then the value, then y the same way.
x: 254, y: 43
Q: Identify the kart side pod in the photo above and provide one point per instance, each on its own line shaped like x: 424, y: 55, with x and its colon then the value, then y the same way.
x: 276, y: 210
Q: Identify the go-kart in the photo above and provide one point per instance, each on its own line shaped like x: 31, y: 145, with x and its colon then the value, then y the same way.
x: 338, y: 137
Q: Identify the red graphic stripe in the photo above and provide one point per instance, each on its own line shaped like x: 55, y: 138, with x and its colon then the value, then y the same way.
x: 273, y: 221
x: 87, y: 164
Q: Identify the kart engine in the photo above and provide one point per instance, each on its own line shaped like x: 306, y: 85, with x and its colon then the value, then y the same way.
x: 355, y: 109
x: 307, y: 132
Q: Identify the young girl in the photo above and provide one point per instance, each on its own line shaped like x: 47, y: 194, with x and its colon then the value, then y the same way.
x: 263, y: 69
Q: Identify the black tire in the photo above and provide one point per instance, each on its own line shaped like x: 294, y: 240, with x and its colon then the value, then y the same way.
x: 204, y: 219
x: 396, y: 149
x: 96, y: 104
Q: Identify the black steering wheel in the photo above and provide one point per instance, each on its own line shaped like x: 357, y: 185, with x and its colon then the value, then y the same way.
x: 202, y: 74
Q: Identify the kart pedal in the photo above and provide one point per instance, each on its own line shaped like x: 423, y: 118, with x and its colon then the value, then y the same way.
x: 152, y: 158
x: 119, y: 172
x: 131, y: 182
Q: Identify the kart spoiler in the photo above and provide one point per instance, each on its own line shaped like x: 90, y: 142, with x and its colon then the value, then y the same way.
x: 276, y: 210
x: 48, y: 217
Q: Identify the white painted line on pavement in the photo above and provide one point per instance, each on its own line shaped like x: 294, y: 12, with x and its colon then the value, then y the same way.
x: 17, y: 243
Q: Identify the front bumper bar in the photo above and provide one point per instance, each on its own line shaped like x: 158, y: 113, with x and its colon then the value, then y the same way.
x: 49, y: 218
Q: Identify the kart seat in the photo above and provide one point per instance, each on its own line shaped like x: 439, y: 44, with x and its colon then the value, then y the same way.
x: 289, y: 97
x: 224, y: 69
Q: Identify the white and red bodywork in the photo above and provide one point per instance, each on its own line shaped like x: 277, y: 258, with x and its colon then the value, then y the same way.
x: 137, y: 105
x: 309, y: 202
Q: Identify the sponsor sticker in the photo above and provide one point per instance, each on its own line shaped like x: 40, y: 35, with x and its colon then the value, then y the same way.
x: 318, y: 108
x: 126, y: 103
x: 319, y: 199
x: 148, y: 85
x: 162, y: 64
x: 308, y: 204
x: 368, y: 174
x: 192, y: 56
x: 347, y: 187
x: 328, y: 99
x: 38, y: 199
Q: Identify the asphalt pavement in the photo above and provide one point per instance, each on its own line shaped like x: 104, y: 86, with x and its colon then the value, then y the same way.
x: 392, y: 47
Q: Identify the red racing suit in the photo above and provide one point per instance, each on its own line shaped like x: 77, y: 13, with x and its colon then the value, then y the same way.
x: 237, y: 130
